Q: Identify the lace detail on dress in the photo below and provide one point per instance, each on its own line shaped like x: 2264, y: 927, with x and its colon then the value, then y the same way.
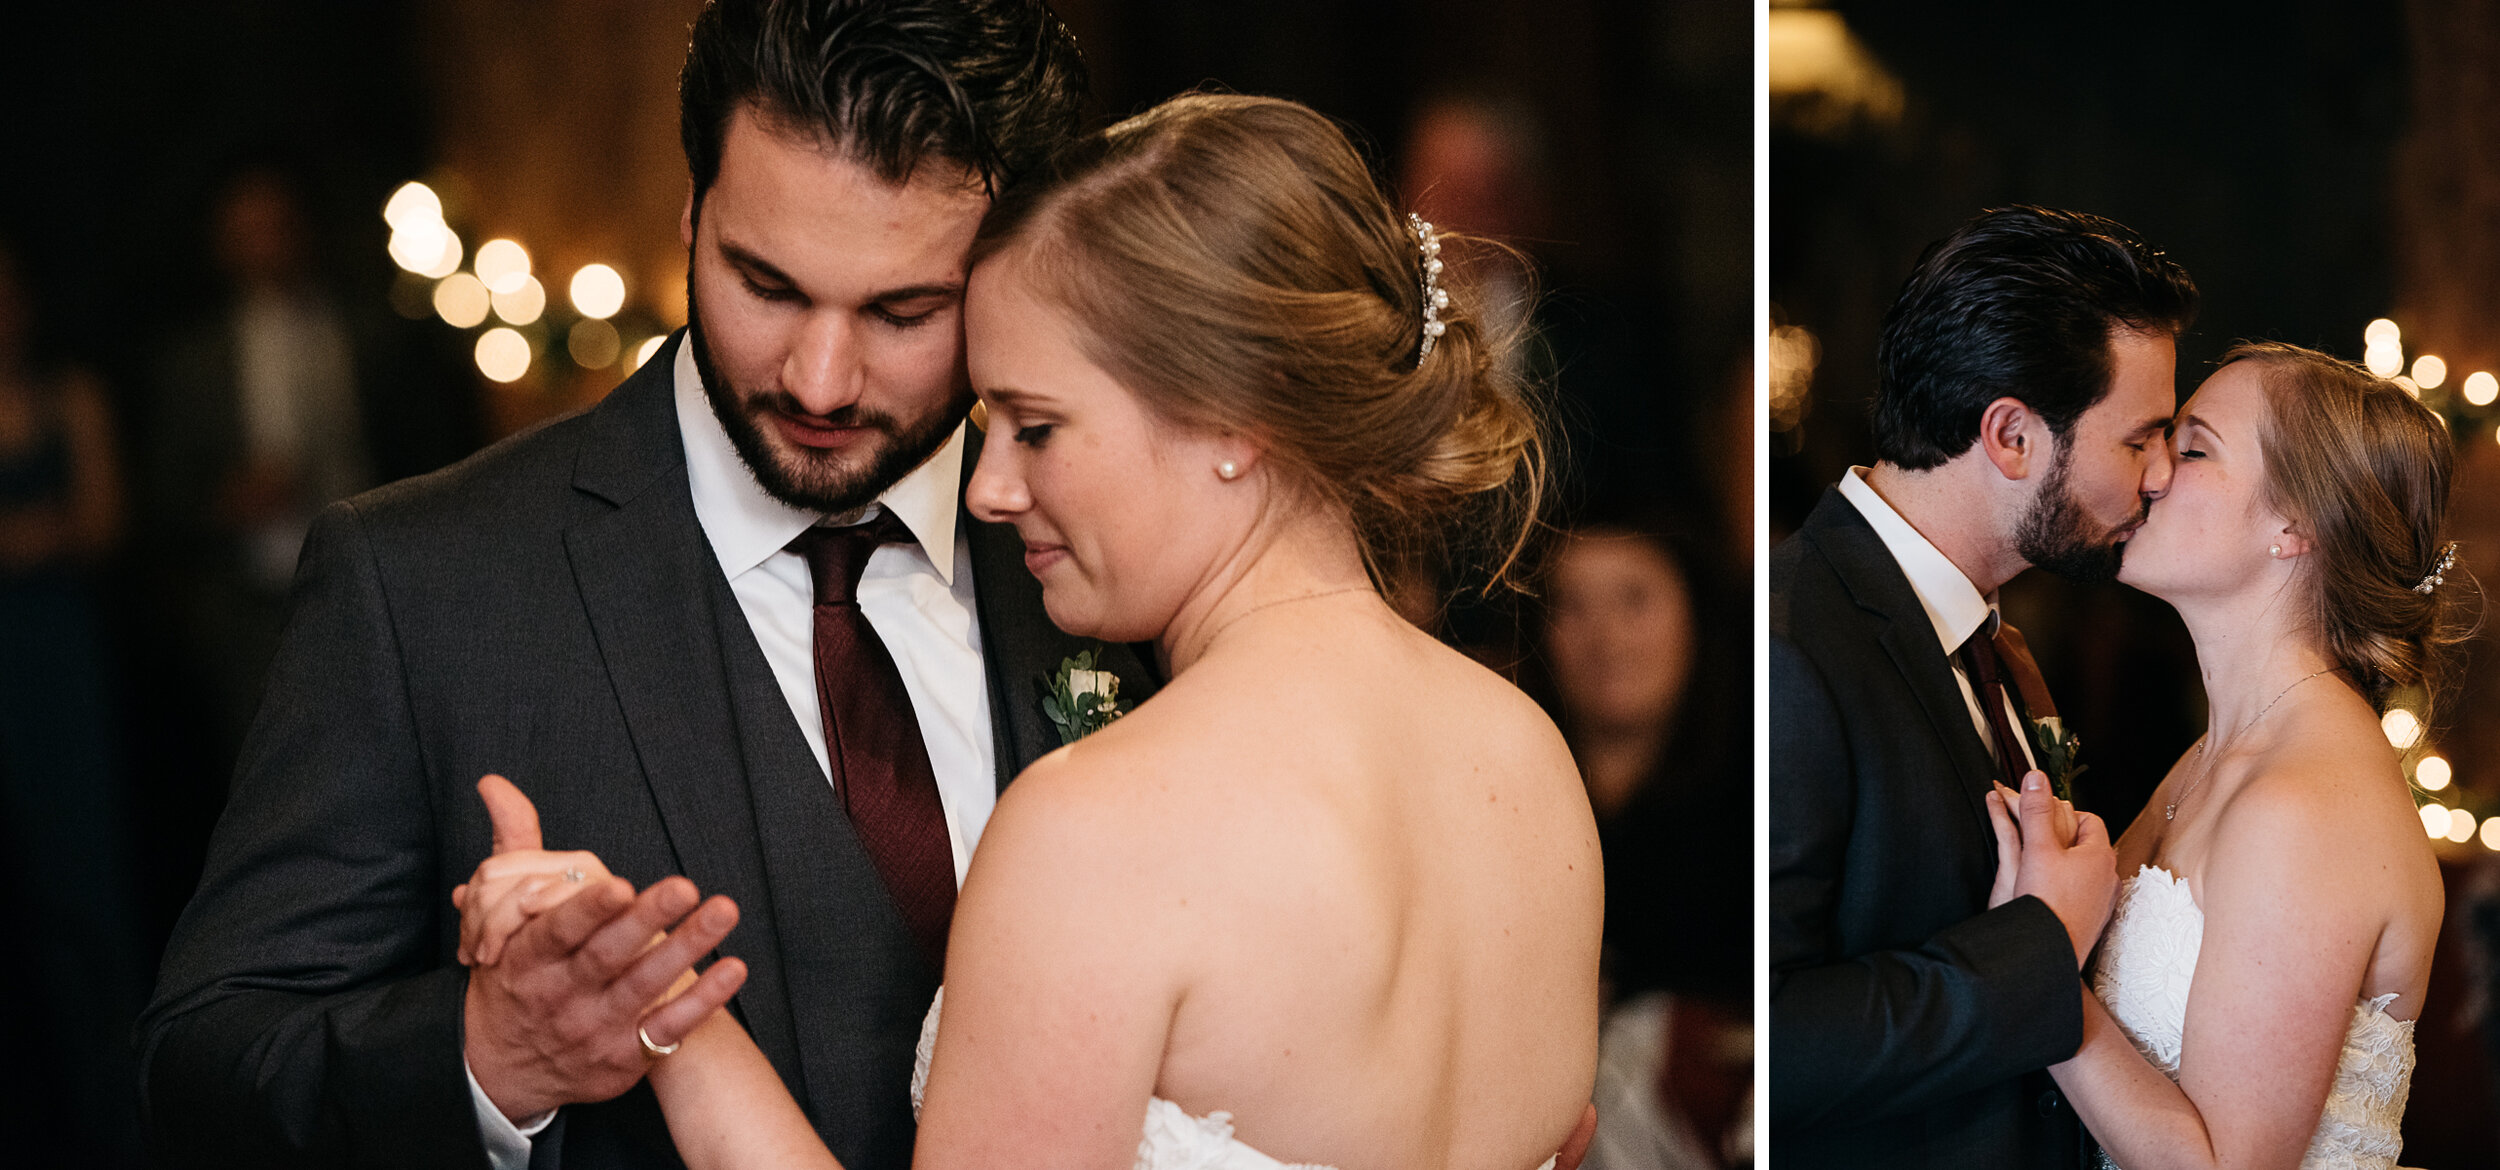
x: 2148, y: 959
x: 2146, y: 965
x: 2367, y: 1105
x: 1174, y: 1139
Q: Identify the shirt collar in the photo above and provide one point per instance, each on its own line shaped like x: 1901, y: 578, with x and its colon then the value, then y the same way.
x: 746, y: 525
x: 1954, y: 605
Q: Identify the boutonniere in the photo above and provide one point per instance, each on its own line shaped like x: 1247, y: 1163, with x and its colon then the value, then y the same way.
x: 1079, y: 699
x: 2055, y: 748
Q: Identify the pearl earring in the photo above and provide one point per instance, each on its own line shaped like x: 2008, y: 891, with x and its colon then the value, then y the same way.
x: 1228, y: 470
x: 2276, y: 550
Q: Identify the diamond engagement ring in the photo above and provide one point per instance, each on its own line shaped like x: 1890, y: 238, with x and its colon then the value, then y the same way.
x: 573, y: 874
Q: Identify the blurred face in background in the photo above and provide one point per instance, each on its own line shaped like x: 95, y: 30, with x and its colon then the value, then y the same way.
x: 1620, y: 633
x: 13, y: 314
x: 260, y: 231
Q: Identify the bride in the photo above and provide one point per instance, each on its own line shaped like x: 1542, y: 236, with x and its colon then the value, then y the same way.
x: 2253, y: 997
x: 1334, y: 893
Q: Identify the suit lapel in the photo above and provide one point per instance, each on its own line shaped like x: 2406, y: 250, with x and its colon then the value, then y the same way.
x: 1875, y: 582
x: 653, y: 595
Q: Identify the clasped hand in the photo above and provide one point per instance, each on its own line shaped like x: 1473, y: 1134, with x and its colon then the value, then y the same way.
x: 567, y: 961
x: 2048, y: 850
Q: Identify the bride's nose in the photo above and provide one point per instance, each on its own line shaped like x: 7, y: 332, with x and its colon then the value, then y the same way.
x: 997, y: 492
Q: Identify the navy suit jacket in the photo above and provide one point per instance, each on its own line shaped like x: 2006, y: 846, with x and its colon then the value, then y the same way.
x: 1909, y: 1022
x: 550, y: 610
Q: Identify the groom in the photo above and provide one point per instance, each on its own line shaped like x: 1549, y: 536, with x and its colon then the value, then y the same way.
x: 618, y: 611
x: 2021, y: 419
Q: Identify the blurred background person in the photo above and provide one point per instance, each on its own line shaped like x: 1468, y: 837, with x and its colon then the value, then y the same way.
x: 1655, y: 704
x: 79, y: 976
x: 276, y: 402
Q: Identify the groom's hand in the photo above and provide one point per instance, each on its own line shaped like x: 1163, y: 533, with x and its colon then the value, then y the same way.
x: 2066, y: 862
x: 552, y: 1021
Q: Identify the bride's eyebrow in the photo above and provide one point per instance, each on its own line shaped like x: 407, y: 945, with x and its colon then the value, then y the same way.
x: 2189, y: 420
x: 1012, y: 398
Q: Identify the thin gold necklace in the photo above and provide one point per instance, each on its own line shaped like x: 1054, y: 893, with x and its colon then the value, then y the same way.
x: 1229, y: 623
x: 2170, y: 811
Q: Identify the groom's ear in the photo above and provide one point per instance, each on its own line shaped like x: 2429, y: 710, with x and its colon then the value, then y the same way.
x: 2012, y: 438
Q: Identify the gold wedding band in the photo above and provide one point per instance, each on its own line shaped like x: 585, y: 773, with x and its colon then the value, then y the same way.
x: 654, y: 1051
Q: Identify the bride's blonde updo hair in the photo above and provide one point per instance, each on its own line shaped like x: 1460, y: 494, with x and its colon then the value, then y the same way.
x: 2363, y: 469
x: 1231, y: 261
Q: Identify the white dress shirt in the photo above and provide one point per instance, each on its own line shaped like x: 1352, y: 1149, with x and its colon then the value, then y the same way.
x: 1954, y: 605
x: 918, y: 597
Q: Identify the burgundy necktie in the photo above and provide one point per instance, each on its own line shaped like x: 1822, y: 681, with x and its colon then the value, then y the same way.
x: 2015, y: 654
x: 1987, y: 677
x: 880, y: 766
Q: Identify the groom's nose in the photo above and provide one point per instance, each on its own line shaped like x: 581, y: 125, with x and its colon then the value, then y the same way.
x: 824, y: 368
x: 2156, y: 468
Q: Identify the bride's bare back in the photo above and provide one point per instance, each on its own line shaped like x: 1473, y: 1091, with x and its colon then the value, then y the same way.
x: 1335, y: 879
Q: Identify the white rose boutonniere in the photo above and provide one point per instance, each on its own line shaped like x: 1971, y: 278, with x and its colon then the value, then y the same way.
x: 1079, y: 699
x: 2056, y: 749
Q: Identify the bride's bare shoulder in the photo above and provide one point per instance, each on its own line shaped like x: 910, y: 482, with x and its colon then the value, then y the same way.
x: 1243, y: 741
x: 2327, y: 802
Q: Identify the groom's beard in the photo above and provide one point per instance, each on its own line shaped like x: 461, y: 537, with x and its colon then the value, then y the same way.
x: 2056, y: 533
x: 804, y: 478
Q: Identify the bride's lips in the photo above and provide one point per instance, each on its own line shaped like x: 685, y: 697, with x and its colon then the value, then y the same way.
x: 812, y: 432
x: 1038, y: 557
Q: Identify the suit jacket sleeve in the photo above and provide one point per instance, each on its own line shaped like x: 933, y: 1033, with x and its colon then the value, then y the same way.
x: 1856, y: 1037
x: 307, y: 1012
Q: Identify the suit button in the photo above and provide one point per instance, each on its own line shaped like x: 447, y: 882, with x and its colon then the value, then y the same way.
x: 2049, y: 1103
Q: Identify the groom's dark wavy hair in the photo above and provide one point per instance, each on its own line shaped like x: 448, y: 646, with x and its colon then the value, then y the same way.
x: 992, y: 86
x: 2020, y: 302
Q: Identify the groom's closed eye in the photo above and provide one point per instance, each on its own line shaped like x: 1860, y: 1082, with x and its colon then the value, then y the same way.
x: 912, y: 308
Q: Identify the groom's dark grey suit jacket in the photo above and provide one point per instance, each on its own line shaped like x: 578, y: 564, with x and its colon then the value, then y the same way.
x: 549, y: 610
x: 1909, y: 1023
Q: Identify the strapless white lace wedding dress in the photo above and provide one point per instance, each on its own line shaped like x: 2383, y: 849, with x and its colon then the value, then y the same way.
x: 1174, y: 1140
x: 2148, y: 960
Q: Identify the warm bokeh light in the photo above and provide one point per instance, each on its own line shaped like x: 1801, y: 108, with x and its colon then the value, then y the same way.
x: 643, y: 353
x: 2411, y: 387
x: 2384, y: 358
x: 426, y: 248
x: 2491, y: 834
x: 598, y: 291
x: 2460, y: 826
x: 2429, y: 370
x: 413, y: 203
x: 503, y: 354
x: 2381, y: 332
x: 523, y: 302
x: 1795, y: 351
x: 502, y: 264
x: 1815, y: 60
x: 461, y: 300
x: 2481, y: 388
x: 2403, y: 728
x: 593, y: 343
x: 2435, y: 820
x: 2433, y: 773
